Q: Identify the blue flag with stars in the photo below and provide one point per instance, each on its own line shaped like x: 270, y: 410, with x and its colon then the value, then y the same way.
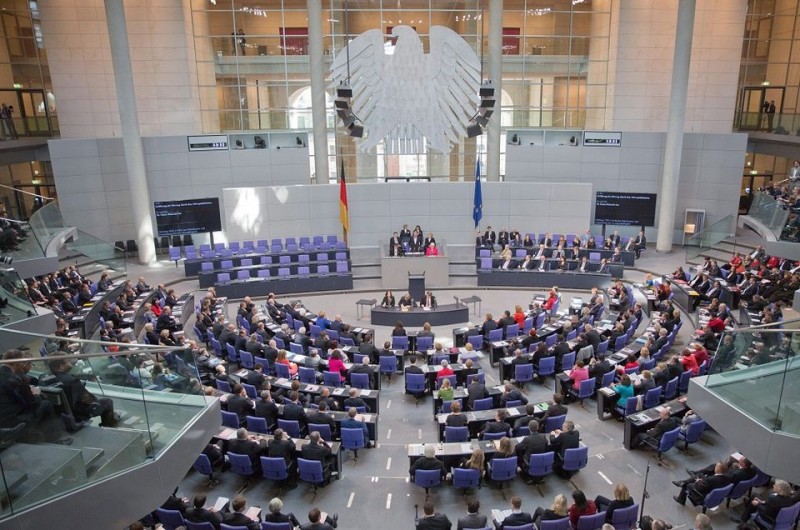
x: 477, y: 208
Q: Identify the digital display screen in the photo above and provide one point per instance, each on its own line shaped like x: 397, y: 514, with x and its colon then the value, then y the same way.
x: 625, y: 209
x: 191, y: 216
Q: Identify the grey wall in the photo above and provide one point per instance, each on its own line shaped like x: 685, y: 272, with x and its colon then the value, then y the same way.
x: 710, y: 176
x: 92, y: 181
x: 378, y: 209
x: 547, y: 188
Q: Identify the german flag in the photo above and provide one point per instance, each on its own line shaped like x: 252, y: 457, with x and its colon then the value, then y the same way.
x: 344, y: 213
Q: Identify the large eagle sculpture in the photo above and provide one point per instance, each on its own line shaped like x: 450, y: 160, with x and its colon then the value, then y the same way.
x: 407, y: 97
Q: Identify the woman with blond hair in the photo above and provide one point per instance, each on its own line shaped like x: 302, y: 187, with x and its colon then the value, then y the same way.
x: 558, y: 510
x: 622, y: 499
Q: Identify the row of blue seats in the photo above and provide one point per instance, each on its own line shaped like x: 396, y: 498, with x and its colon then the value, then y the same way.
x: 342, y: 267
x: 285, y: 259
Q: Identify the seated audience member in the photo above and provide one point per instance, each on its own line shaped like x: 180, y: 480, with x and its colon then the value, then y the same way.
x: 318, y: 449
x: 473, y: 519
x: 557, y: 510
x: 83, y: 404
x: 780, y: 497
x: 580, y: 506
x: 276, y: 516
x: 237, y: 516
x: 701, y: 486
x: 427, y: 462
x: 622, y: 499
x: 248, y: 445
x: 455, y: 418
x: 516, y: 518
x: 199, y: 514
x: 352, y: 422
x: 498, y: 425
x: 653, y: 435
x: 431, y: 520
x: 388, y: 299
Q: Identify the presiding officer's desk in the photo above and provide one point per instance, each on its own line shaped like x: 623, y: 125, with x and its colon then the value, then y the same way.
x: 461, y: 393
x: 339, y: 394
x: 339, y: 416
x: 646, y: 419
x: 285, y: 285
x: 443, y: 314
x: 226, y: 433
x: 395, y: 270
x: 536, y: 278
x: 476, y: 419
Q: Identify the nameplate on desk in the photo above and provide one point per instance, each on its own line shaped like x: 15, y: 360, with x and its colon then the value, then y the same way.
x: 282, y: 381
x: 338, y: 391
x: 227, y: 434
x: 312, y: 388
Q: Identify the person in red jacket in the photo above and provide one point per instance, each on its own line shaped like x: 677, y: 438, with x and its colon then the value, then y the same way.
x: 689, y: 362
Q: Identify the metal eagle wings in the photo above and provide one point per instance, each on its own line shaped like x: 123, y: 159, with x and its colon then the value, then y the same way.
x: 409, y: 97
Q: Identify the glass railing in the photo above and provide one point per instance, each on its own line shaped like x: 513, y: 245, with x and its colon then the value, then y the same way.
x: 786, y: 123
x: 769, y: 212
x: 709, y: 237
x: 86, y: 411
x: 755, y: 369
x: 101, y: 252
x: 46, y: 223
x: 14, y: 302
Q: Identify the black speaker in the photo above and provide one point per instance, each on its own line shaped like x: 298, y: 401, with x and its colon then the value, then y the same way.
x: 473, y: 130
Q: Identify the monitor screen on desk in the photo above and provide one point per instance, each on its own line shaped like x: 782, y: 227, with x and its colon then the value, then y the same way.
x: 625, y: 209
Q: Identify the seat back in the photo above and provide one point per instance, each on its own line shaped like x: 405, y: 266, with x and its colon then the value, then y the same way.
x: 591, y: 522
x: 274, y: 468
x: 282, y: 371
x: 620, y: 342
x: 466, y: 478
x: 602, y: 347
x: 671, y: 389
x: 246, y: 359
x: 310, y: 470
x: 668, y: 440
x: 740, y: 488
x: 625, y: 518
x: 523, y: 372
x: 528, y: 526
x: 415, y: 383
x: 576, y: 458
x: 424, y: 343
x: 541, y: 464
x: 276, y: 526
x: 555, y: 524
x: 353, y: 439
x: 694, y: 431
x: 240, y: 464
x: 568, y: 360
x: 630, y: 405
x: 586, y: 389
x: 223, y: 386
x: 512, y: 330
x: 388, y: 364
x: 652, y: 397
x: 307, y: 375
x: 456, y: 434
x: 360, y: 381
x: 683, y: 381
x: 400, y: 343
x: 257, y: 424
x: 715, y: 497
x: 495, y: 335
x: 332, y: 379
x: 452, y: 378
x: 476, y: 341
x: 608, y: 378
x: 230, y: 419
x: 205, y: 525
x: 171, y: 519
x: 203, y: 465
x: 494, y: 435
x: 291, y: 427
x: 504, y: 469
x: 250, y: 390
x: 323, y: 430
x: 483, y: 404
x: 547, y: 366
x: 554, y: 422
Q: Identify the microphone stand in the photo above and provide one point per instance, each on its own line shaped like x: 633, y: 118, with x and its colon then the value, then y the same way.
x: 645, y: 494
x: 416, y: 514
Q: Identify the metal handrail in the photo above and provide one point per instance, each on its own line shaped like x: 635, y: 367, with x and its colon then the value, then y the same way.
x: 27, y: 192
x: 761, y: 328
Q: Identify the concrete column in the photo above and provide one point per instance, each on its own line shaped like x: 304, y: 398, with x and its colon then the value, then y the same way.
x: 318, y: 111
x: 131, y: 137
x: 495, y: 71
x: 668, y: 193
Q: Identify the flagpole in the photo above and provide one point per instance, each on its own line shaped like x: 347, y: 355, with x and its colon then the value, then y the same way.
x: 341, y: 179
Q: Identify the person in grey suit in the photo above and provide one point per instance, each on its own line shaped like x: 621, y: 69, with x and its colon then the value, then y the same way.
x: 473, y: 519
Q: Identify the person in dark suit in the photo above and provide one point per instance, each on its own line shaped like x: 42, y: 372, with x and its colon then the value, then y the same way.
x: 431, y: 520
x: 281, y: 446
x: 475, y: 390
x: 314, y: 517
x: 394, y: 242
x: 738, y: 469
x: 276, y: 516
x: 517, y: 516
x: 255, y: 377
x: 368, y: 348
x: 640, y: 244
x: 247, y: 445
x: 510, y: 393
x: 533, y: 444
x: 266, y: 408
x: 294, y: 410
x: 83, y: 403
x: 489, y: 236
x: 488, y: 325
x: 653, y: 435
x: 561, y: 440
x: 322, y: 417
x: 237, y: 517
x: 554, y: 409
x: 530, y: 414
x: 362, y: 368
x: 412, y: 368
x: 473, y: 519
x: 700, y: 487
x: 498, y: 425
x: 325, y: 396
x: 427, y: 462
x: 780, y: 498
x: 199, y: 514
x: 429, y: 300
x: 239, y: 403
x: 354, y: 401
x: 317, y: 449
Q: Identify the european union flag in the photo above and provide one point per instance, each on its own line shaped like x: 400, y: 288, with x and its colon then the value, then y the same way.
x: 477, y: 208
